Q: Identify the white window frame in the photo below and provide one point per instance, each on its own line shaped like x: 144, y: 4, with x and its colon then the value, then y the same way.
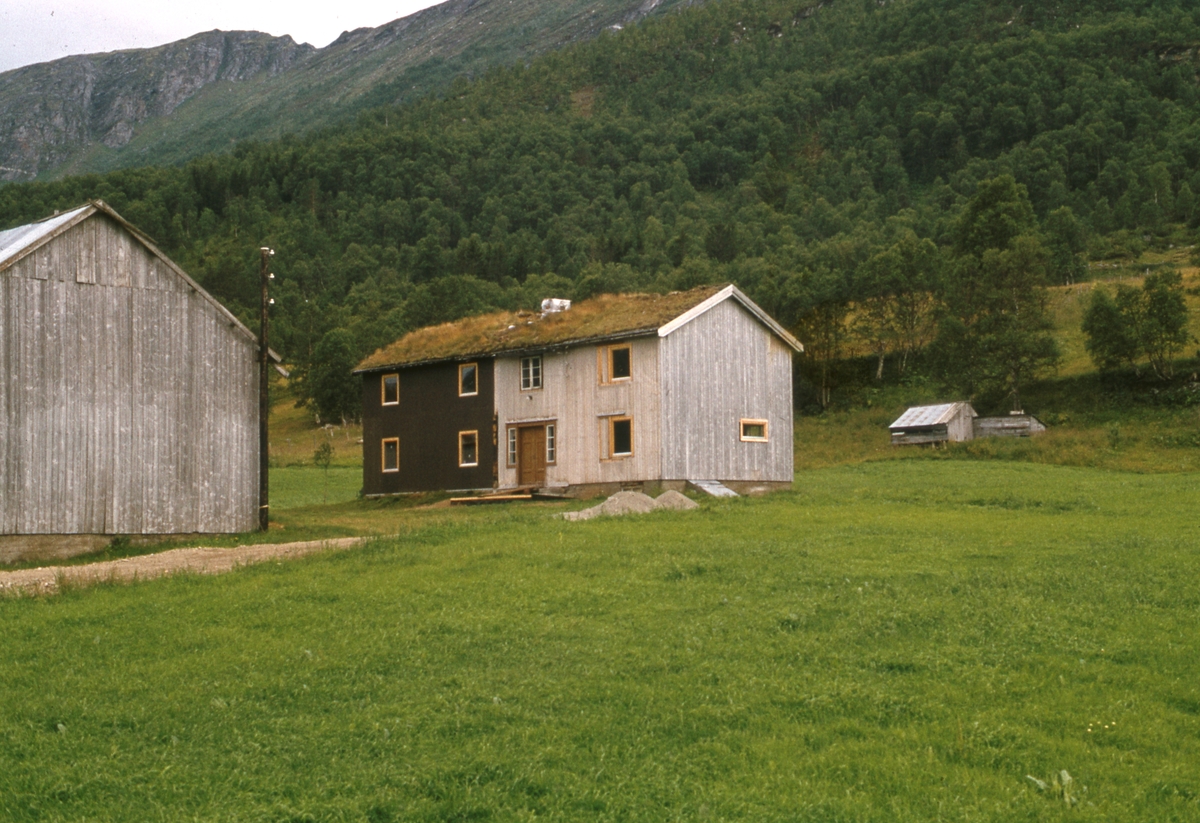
x: 551, y: 444
x: 531, y: 372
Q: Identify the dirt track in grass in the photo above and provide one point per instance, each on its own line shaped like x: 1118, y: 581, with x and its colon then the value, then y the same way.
x: 202, y: 560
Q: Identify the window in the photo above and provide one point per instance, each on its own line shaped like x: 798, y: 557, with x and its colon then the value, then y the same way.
x: 615, y: 363
x: 618, y: 363
x: 468, y: 379
x: 551, y: 449
x: 391, y: 454
x: 390, y: 389
x: 468, y: 448
x: 512, y: 447
x: 754, y: 431
x: 531, y: 372
x: 620, y: 437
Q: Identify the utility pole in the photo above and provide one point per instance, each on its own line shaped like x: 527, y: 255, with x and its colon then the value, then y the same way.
x: 264, y: 396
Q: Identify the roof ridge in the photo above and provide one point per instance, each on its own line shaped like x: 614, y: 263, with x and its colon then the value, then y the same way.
x: 600, y: 317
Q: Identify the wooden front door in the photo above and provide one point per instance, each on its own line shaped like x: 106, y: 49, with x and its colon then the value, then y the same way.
x: 531, y: 456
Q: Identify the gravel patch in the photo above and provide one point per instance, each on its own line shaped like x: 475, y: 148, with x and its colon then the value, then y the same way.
x: 203, y: 560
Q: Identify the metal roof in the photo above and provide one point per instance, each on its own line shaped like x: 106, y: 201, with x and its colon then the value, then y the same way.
x: 924, y: 416
x: 22, y: 240
x: 15, y: 241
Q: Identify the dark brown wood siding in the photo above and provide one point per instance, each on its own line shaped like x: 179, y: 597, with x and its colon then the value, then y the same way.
x: 428, y: 420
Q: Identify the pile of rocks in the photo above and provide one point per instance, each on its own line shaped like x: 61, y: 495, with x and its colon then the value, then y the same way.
x: 633, y: 503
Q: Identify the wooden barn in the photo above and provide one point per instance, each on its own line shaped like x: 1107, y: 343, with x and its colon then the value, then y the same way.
x: 946, y: 422
x: 619, y: 391
x: 128, y: 395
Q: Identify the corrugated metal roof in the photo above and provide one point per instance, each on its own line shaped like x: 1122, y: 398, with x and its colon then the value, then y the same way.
x: 15, y: 241
x: 921, y: 416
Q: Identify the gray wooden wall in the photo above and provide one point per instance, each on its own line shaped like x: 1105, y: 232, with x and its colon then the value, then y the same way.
x: 573, y: 395
x: 128, y: 401
x: 719, y: 368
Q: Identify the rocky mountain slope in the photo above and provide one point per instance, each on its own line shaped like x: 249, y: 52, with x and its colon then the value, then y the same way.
x: 52, y: 112
x: 174, y: 102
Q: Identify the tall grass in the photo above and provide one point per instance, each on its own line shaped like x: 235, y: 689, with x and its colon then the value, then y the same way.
x: 904, y: 640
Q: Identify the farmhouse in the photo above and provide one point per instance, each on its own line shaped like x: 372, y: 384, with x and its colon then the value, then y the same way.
x: 128, y: 395
x: 619, y: 391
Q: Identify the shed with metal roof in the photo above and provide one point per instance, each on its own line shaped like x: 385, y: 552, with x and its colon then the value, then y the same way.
x: 944, y: 422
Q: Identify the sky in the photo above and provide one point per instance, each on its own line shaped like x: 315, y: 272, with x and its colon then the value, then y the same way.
x: 34, y: 31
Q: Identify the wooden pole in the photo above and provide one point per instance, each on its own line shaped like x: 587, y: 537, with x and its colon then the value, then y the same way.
x: 264, y: 398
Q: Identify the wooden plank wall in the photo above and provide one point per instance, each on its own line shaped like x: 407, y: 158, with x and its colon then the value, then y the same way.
x: 572, y: 395
x: 962, y: 426
x: 722, y: 367
x: 129, y: 402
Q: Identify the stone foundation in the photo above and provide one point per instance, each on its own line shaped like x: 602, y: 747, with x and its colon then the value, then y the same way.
x: 586, y: 491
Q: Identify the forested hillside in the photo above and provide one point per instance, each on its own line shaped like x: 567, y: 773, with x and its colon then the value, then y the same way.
x: 819, y: 155
x: 169, y: 104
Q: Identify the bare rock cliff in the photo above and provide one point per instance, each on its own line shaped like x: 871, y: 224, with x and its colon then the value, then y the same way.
x: 51, y: 111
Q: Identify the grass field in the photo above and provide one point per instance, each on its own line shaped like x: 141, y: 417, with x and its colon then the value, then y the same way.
x: 895, y: 640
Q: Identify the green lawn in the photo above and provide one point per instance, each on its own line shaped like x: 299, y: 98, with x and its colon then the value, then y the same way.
x: 296, y: 487
x: 896, y: 640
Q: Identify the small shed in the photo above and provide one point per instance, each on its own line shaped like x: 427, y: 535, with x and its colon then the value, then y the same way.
x: 934, y: 424
x: 1015, y: 424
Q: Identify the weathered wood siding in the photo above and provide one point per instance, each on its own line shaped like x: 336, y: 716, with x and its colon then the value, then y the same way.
x: 961, y: 427
x: 573, y: 396
x: 920, y: 437
x: 1015, y: 425
x: 722, y: 367
x: 128, y: 401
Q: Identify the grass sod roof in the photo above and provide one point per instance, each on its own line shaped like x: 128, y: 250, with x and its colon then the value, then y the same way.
x: 604, y: 316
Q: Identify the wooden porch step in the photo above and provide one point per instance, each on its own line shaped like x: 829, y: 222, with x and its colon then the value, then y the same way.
x: 489, y: 498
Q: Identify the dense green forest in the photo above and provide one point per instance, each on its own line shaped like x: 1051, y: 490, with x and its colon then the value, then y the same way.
x: 827, y: 157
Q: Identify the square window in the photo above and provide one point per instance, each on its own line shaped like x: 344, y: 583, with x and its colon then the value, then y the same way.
x: 468, y: 380
x: 551, y: 447
x: 391, y: 454
x: 531, y: 373
x: 620, y: 437
x: 468, y: 448
x: 754, y: 431
x: 390, y: 389
x: 619, y: 363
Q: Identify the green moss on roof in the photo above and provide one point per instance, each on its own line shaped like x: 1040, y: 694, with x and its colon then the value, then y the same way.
x: 608, y: 315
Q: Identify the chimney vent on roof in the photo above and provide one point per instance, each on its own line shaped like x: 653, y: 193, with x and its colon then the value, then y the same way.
x: 553, y: 305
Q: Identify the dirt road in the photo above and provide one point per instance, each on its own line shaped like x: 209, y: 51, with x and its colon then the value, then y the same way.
x: 205, y: 560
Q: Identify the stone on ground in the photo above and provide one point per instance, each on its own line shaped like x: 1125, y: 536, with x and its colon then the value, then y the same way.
x: 633, y: 503
x: 627, y: 503
x: 675, y: 501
